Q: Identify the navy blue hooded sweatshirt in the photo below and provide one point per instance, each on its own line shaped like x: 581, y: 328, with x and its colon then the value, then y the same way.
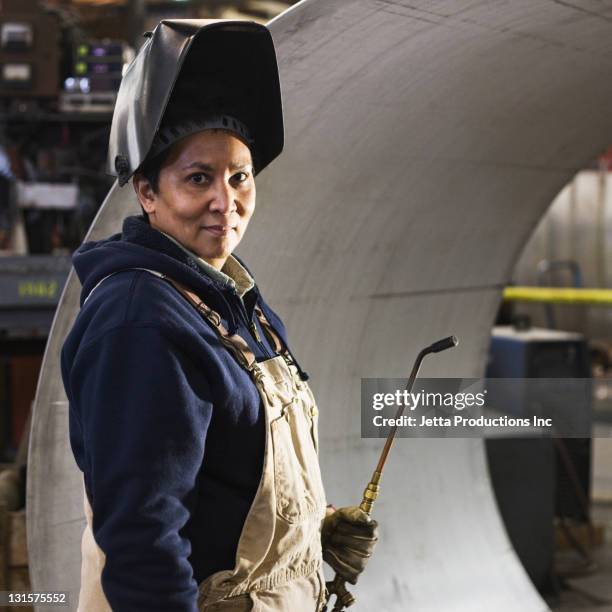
x: 166, y: 427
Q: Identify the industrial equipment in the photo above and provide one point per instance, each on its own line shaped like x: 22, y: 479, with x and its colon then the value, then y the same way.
x: 29, y: 51
x: 535, y: 479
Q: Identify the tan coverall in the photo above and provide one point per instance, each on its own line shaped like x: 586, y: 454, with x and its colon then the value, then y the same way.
x: 278, y: 561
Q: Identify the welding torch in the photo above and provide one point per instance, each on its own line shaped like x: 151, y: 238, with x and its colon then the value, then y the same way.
x: 337, y: 586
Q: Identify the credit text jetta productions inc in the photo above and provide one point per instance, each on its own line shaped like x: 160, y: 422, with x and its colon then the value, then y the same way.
x: 457, y: 401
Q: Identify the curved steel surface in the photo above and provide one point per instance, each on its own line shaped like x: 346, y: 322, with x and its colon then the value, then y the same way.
x: 424, y: 141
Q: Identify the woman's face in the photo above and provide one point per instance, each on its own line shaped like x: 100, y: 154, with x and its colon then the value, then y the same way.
x: 205, y: 196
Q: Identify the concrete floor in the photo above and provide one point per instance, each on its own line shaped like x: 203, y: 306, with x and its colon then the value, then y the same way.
x: 592, y: 590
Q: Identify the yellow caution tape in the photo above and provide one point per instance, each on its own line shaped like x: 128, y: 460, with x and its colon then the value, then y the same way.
x: 558, y: 295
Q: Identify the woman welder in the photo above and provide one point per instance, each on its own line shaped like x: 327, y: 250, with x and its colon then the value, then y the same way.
x: 190, y: 417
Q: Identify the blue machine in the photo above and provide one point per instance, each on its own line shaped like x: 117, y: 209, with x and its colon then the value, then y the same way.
x: 536, y: 479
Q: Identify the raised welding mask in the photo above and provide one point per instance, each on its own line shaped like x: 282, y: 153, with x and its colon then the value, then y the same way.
x: 193, y: 74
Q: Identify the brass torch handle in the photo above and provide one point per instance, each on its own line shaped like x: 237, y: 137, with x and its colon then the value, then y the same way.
x: 337, y: 586
x: 344, y: 598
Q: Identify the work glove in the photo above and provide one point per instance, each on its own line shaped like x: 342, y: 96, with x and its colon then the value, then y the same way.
x: 348, y: 537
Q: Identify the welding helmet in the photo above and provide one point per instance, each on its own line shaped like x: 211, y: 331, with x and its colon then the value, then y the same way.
x: 194, y: 74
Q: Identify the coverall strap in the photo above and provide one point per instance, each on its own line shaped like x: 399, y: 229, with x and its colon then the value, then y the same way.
x: 271, y: 335
x: 233, y: 342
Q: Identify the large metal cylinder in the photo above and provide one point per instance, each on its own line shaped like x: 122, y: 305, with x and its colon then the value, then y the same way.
x: 424, y: 141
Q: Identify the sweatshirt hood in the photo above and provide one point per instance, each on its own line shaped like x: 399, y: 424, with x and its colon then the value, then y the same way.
x: 139, y: 245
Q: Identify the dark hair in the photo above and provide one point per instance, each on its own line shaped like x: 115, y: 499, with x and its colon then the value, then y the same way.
x: 150, y: 168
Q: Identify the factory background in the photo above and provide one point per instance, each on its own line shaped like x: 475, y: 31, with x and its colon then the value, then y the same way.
x: 61, y: 65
